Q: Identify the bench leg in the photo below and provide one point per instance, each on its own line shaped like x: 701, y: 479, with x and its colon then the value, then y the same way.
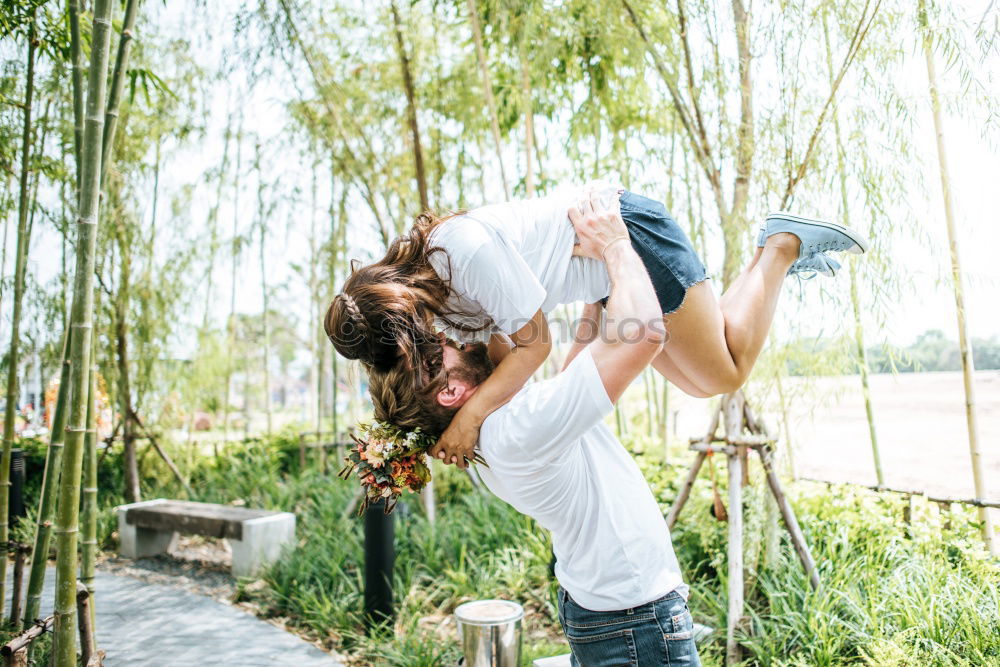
x: 142, y: 542
x: 263, y: 540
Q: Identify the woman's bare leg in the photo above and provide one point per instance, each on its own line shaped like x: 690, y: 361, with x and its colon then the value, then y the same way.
x: 666, y: 367
x: 713, y: 344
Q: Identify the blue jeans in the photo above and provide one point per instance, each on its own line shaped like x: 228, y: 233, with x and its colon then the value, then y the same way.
x: 664, y: 249
x: 657, y: 633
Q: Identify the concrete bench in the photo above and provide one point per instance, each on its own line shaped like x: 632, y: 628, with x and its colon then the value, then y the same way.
x: 256, y: 536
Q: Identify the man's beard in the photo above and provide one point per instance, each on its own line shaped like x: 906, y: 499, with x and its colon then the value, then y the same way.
x: 475, y: 364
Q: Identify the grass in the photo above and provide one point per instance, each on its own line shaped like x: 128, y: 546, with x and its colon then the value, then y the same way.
x: 892, y: 594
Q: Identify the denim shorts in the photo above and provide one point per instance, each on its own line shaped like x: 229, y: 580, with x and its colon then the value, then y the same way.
x: 664, y: 248
x: 657, y: 633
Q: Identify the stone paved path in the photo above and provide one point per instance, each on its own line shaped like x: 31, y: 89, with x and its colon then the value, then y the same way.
x: 141, y: 624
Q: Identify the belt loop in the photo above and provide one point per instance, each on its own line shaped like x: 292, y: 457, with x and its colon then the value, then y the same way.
x: 630, y: 611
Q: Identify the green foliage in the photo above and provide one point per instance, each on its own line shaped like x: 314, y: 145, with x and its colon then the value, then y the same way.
x: 933, y: 351
x: 890, y: 595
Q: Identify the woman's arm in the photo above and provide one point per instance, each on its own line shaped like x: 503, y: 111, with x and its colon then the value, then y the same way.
x: 587, y: 330
x: 532, y: 344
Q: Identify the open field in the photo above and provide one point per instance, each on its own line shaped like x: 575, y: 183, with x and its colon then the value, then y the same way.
x: 921, y: 425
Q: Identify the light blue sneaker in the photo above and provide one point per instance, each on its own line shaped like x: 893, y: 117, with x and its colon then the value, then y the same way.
x: 818, y: 262
x: 817, y: 237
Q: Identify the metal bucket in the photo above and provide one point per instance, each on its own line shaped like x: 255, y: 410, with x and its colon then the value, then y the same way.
x: 491, y: 632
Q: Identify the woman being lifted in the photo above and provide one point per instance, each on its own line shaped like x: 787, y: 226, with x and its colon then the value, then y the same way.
x: 493, y: 273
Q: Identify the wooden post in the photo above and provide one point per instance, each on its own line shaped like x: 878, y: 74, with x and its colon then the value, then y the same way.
x: 19, y: 659
x: 735, y: 612
x: 732, y: 407
x: 427, y: 496
x: 685, y: 491
x: 20, y: 552
x: 19, y: 644
x: 791, y: 523
x: 302, y: 451
x: 87, y: 645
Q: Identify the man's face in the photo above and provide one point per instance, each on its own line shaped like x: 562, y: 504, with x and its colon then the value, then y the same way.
x: 467, y: 363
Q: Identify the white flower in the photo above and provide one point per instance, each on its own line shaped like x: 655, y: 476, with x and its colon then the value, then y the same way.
x: 375, y: 457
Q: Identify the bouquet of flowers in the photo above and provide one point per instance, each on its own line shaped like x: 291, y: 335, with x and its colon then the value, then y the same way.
x: 388, y: 460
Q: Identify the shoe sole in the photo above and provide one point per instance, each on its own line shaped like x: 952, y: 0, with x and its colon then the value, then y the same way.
x: 861, y: 243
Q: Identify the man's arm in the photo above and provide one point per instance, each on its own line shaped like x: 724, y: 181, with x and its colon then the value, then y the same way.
x: 587, y: 329
x: 633, y: 332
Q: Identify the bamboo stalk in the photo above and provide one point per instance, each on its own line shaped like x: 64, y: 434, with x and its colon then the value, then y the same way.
x: 316, y: 346
x: 859, y: 336
x: 965, y: 350
x: 20, y: 263
x: 133, y: 492
x: 81, y: 321
x: 789, y: 449
x: 529, y: 117
x: 411, y: 109
x: 213, y: 223
x: 88, y: 508
x: 21, y: 551
x: 491, y: 104
x: 50, y: 481
x: 73, y: 13
x: 263, y: 289
x: 117, y: 85
x: 231, y: 323
x: 734, y: 613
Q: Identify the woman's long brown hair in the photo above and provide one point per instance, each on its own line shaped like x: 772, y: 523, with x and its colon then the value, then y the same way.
x: 385, y: 312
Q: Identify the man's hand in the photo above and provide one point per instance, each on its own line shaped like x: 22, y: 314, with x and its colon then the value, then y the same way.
x: 457, y: 443
x: 598, y: 223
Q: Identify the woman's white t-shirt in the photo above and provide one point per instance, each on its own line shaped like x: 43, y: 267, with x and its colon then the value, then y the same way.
x: 507, y: 261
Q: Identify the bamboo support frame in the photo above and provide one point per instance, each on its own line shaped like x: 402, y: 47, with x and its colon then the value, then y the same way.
x: 84, y: 611
x: 736, y: 444
x: 946, y: 500
x: 685, y: 490
x: 21, y: 642
x: 788, y: 515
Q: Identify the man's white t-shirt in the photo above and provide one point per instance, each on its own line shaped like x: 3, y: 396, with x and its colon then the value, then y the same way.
x: 551, y: 456
x: 507, y: 261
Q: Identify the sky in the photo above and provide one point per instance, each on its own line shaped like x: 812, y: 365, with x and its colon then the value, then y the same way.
x: 928, y: 303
